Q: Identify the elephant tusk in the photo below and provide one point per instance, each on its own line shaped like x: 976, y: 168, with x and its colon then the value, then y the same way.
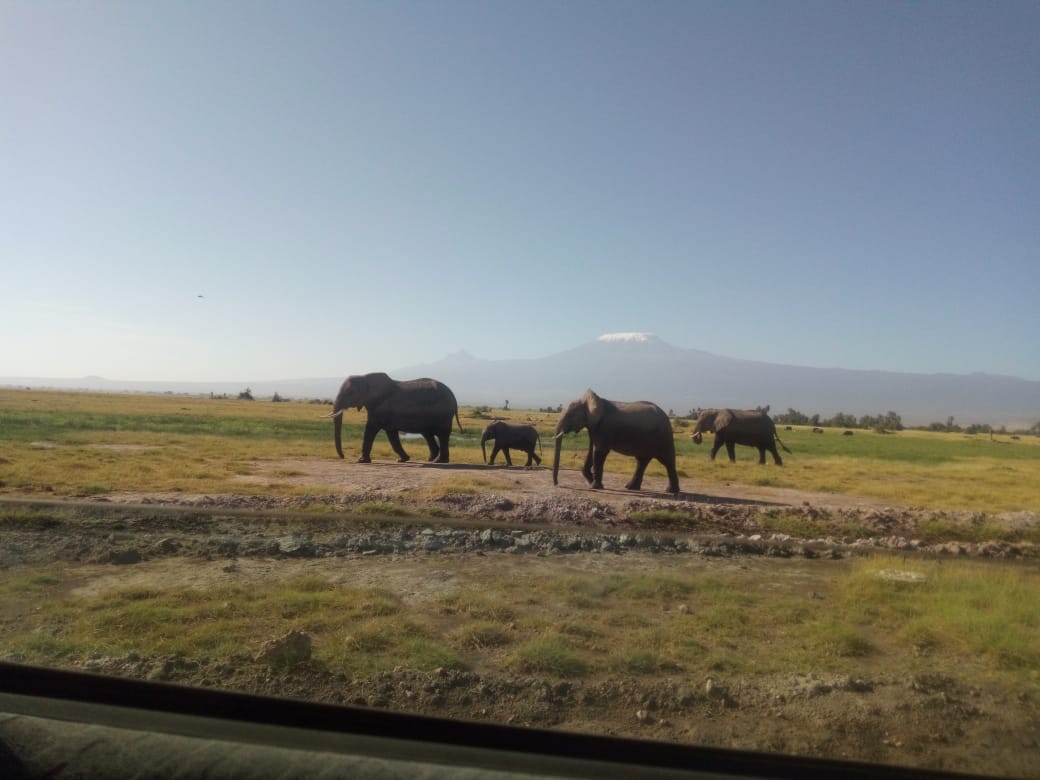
x: 332, y: 414
x: 559, y: 435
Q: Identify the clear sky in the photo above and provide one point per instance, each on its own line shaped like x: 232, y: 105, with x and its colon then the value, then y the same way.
x: 358, y: 186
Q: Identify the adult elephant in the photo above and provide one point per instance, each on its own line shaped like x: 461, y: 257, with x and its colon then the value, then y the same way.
x: 638, y: 428
x: 423, y: 406
x: 506, y: 436
x: 750, y: 427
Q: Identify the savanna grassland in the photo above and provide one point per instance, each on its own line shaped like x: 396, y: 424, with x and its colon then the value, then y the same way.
x: 82, y: 444
x: 877, y: 597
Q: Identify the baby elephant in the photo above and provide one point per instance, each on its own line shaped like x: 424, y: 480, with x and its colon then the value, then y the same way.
x: 520, y: 437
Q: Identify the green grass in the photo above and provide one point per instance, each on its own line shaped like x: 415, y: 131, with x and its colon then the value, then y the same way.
x: 359, y: 629
x: 959, y: 608
x: 95, y: 444
x: 724, y: 621
x: 548, y: 655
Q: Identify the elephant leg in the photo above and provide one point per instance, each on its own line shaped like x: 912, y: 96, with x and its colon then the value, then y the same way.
x: 761, y: 456
x: 494, y: 454
x: 731, y: 450
x: 431, y: 442
x: 716, y: 447
x: 505, y: 452
x: 586, y: 470
x: 776, y: 456
x: 673, y: 475
x: 442, y: 456
x: 637, y: 479
x: 599, y: 457
x: 395, y: 442
x: 532, y: 455
x: 367, y: 440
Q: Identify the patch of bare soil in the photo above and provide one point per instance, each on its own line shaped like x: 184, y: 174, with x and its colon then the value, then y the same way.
x: 516, y: 520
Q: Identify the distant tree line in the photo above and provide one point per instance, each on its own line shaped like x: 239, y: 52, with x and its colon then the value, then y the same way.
x: 889, y: 421
x: 950, y: 426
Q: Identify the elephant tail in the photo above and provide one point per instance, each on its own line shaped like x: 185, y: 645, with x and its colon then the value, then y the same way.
x: 458, y: 420
x: 781, y: 443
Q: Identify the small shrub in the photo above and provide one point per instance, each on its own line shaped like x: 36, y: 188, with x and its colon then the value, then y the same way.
x: 839, y: 640
x: 636, y: 662
x: 382, y: 508
x: 479, y: 636
x: 548, y: 656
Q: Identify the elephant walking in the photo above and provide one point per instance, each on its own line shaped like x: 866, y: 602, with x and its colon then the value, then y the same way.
x: 423, y: 406
x: 750, y: 427
x: 639, y: 428
x: 506, y: 436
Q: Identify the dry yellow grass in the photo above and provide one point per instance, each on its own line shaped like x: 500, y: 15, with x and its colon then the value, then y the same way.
x: 67, y: 443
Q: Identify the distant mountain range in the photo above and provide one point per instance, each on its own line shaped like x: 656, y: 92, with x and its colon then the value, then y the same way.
x: 640, y: 366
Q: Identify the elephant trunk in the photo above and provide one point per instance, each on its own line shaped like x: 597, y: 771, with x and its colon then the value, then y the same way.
x: 483, y: 446
x: 556, y: 458
x: 339, y: 433
x: 697, y: 438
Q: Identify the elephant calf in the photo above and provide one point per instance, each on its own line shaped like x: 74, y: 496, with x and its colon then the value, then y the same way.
x: 506, y: 436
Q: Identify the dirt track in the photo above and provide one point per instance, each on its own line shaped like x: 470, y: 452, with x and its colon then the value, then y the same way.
x: 517, y: 521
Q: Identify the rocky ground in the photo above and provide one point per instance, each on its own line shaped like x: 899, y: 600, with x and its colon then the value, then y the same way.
x: 950, y: 719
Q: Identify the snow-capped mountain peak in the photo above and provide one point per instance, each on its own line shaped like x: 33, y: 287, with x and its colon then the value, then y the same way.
x: 627, y: 338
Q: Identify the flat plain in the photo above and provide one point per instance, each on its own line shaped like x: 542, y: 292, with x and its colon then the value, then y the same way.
x: 874, y: 599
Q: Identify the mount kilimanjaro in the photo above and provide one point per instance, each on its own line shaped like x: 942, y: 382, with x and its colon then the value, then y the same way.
x: 640, y: 366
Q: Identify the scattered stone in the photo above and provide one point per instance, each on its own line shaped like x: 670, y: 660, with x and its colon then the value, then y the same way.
x: 288, y: 650
x: 898, y: 575
x: 294, y: 545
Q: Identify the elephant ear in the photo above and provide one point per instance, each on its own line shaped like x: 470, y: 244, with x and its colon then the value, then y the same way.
x: 377, y: 386
x: 596, y: 407
x: 722, y: 419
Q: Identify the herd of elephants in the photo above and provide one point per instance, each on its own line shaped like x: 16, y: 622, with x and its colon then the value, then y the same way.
x: 639, y: 429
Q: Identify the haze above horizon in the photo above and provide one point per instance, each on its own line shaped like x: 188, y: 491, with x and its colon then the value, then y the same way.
x: 204, y: 192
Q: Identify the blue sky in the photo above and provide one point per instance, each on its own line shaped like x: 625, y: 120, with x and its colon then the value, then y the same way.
x: 357, y: 186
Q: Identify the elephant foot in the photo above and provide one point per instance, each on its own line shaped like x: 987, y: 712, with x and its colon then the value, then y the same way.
x: 597, y: 486
x: 364, y: 459
x: 673, y: 489
x: 439, y: 460
x: 630, y: 486
x: 403, y: 459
